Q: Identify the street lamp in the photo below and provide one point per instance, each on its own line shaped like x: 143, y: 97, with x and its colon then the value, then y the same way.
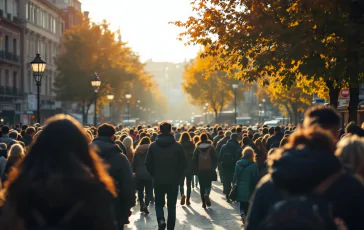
x: 110, y: 97
x: 95, y: 83
x: 38, y: 67
x: 128, y: 97
x: 235, y: 87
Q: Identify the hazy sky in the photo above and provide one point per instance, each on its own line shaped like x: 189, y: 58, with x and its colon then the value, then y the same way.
x: 144, y: 25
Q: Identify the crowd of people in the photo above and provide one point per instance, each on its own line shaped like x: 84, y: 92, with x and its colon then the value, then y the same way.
x: 63, y: 175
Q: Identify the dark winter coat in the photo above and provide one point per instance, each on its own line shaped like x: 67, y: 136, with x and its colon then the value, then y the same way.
x: 232, y: 146
x: 120, y: 171
x: 27, y: 140
x: 189, y: 147
x: 205, y: 175
x: 222, y: 142
x: 276, y: 138
x: 7, y: 140
x: 301, y: 171
x: 216, y: 140
x: 138, y: 165
x: 166, y: 160
x: 246, y: 176
x: 121, y: 146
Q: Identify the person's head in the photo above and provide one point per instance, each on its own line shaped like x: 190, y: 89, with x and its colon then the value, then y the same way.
x: 283, y: 142
x: 234, y: 137
x: 350, y: 150
x: 271, y: 130
x: 258, y: 142
x: 165, y: 127
x: 256, y: 136
x: 277, y: 129
x: 128, y: 142
x: 238, y: 130
x: 145, y: 141
x: 185, y: 137
x: 14, y: 135
x: 106, y: 130
x: 196, y: 139
x: 246, y: 141
x: 265, y: 131
x: 30, y: 131
x: 204, y: 137
x: 352, y: 128
x: 72, y: 166
x: 221, y: 133
x: 326, y: 117
x: 24, y: 127
x: 16, y: 152
x: 228, y: 133
x: 3, y: 146
x: 249, y: 154
x: 141, y: 135
x: 5, y: 130
x: 233, y: 130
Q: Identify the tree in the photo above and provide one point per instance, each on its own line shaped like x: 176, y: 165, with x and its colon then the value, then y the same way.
x: 90, y: 48
x: 315, y: 38
x: 203, y: 86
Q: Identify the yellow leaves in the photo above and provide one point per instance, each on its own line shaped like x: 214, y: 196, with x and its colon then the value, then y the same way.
x: 293, y: 8
x: 293, y: 24
x: 314, y: 27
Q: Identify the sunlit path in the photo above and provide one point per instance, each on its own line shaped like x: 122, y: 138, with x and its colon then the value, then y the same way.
x: 221, y: 215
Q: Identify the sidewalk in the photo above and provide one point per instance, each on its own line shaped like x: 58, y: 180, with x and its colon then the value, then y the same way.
x: 221, y: 215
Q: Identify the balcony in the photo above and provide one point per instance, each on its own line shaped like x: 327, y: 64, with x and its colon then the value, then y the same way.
x: 9, y: 91
x: 9, y: 56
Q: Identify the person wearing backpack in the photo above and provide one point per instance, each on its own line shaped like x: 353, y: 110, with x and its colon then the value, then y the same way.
x: 246, y: 177
x: 307, y: 166
x: 205, y: 163
x: 227, y: 158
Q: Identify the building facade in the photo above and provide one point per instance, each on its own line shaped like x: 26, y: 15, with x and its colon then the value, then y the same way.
x: 10, y: 63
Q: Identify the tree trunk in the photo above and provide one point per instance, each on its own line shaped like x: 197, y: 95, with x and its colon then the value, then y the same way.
x: 333, y: 94
x: 353, y: 103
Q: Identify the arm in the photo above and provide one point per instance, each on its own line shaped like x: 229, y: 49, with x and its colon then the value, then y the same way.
x: 235, y: 178
x: 214, y: 158
x: 183, y: 160
x: 149, y: 161
x: 195, y: 160
x: 133, y: 164
x: 221, y: 153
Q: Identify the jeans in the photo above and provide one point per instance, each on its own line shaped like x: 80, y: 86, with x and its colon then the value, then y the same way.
x: 146, y: 185
x: 205, y: 188
x: 160, y: 192
x: 189, y: 184
x: 244, y: 206
x: 228, y: 180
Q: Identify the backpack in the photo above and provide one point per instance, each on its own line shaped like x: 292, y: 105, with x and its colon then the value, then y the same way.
x: 304, y: 212
x: 228, y: 158
x: 204, y: 160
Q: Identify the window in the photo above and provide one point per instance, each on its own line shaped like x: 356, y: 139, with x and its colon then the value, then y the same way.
x: 15, y: 50
x: 6, y: 44
x: 15, y: 80
x: 15, y: 8
x: 7, y: 78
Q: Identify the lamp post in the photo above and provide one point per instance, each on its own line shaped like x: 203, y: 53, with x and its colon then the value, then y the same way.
x: 95, y: 83
x: 235, y: 87
x: 128, y: 97
x: 110, y: 97
x: 38, y: 67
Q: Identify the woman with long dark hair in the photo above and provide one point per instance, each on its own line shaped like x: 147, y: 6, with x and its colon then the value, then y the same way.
x: 205, y: 164
x: 61, y: 182
x: 189, y: 147
x: 144, y: 180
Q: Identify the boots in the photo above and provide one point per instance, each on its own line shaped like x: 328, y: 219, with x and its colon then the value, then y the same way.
x: 141, y: 207
x: 188, y: 202
x: 145, y: 210
x: 183, y: 200
x: 207, y: 200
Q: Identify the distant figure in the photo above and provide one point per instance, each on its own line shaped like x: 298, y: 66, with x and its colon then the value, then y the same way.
x: 29, y: 134
x: 59, y: 185
x: 15, y: 154
x: 128, y: 144
x: 166, y: 162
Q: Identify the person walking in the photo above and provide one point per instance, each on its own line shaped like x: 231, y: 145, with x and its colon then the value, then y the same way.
x: 246, y: 177
x: 128, y: 143
x: 275, y: 139
x: 59, y: 185
x: 189, y: 147
x: 166, y: 162
x: 5, y: 130
x: 29, y: 134
x: 143, y: 179
x: 16, y: 153
x: 228, y: 157
x: 119, y: 170
x: 205, y: 163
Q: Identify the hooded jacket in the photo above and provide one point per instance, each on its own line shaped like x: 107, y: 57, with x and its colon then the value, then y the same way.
x: 222, y: 142
x: 273, y: 139
x: 300, y: 172
x: 233, y: 147
x: 203, y: 147
x: 166, y: 160
x: 138, y: 165
x: 246, y: 177
x: 120, y: 171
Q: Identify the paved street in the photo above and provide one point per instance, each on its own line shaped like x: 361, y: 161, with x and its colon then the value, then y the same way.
x: 221, y: 215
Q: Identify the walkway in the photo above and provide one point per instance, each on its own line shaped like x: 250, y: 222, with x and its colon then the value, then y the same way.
x: 221, y: 215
